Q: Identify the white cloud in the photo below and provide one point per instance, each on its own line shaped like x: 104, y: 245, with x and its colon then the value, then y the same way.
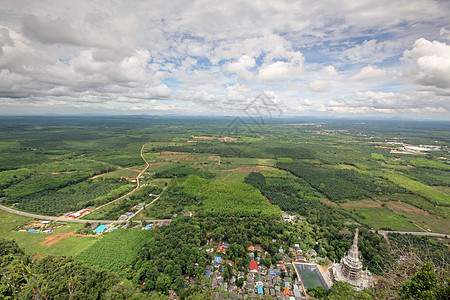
x: 319, y: 85
x: 430, y: 63
x: 329, y: 71
x: 369, y: 72
x: 117, y: 56
x: 241, y: 67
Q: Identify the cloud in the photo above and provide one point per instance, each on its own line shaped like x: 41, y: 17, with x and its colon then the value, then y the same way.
x: 96, y: 30
x: 329, y: 71
x: 319, y: 86
x: 241, y: 67
x: 444, y: 33
x: 369, y: 72
x: 72, y: 54
x: 430, y: 62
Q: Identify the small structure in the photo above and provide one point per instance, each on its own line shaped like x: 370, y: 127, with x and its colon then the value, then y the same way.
x: 260, y: 290
x: 253, y: 266
x: 148, y: 227
x: 100, y: 229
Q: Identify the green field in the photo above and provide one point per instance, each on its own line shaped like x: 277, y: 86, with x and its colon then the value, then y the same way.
x: 9, y: 222
x: 382, y: 218
x: 62, y: 241
x: 117, y: 250
x: 435, y: 196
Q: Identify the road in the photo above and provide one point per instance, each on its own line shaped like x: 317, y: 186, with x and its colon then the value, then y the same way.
x: 137, y: 181
x: 385, y: 232
x: 25, y: 214
x: 140, y: 209
x: 21, y: 213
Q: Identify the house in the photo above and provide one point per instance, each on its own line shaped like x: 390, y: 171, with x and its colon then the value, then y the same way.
x: 253, y: 266
x: 225, y: 245
x: 286, y: 292
x: 288, y: 217
x: 251, y: 248
x: 218, y: 259
x: 260, y: 290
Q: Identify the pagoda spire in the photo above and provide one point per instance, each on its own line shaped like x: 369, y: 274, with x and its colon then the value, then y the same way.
x: 354, y: 253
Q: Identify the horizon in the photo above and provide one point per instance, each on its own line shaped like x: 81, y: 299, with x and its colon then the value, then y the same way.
x: 331, y: 59
x: 244, y: 117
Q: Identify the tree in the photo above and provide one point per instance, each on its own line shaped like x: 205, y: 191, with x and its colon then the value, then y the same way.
x: 422, y: 285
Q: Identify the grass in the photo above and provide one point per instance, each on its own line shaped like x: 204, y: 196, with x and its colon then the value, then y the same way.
x: 378, y: 156
x: 99, y: 213
x: 35, y: 243
x: 419, y: 217
x: 433, y: 195
x: 276, y: 173
x: 426, y: 163
x: 10, y: 222
x: 249, y: 161
x: 379, y: 217
x: 121, y: 173
x: 416, y: 201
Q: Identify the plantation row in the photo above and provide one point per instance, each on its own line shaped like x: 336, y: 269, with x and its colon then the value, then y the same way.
x: 70, y: 198
x: 340, y: 184
x: 117, y: 250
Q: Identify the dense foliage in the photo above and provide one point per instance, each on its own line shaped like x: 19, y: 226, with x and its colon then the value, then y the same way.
x: 339, y: 184
x: 71, y: 197
x: 55, y: 278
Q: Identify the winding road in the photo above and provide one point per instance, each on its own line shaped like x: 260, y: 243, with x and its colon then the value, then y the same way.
x: 51, y: 218
x: 137, y: 181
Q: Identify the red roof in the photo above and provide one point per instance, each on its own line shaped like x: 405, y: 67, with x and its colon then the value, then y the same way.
x: 253, y: 265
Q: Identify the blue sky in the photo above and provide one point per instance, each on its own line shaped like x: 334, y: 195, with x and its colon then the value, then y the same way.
x: 315, y: 58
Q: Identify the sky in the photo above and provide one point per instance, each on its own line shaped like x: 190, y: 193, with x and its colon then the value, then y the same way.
x: 365, y: 58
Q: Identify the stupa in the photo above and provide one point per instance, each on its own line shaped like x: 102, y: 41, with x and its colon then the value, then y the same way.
x: 350, y: 269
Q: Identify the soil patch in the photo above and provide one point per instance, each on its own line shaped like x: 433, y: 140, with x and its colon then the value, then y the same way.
x: 361, y: 204
x: 399, y: 207
x: 56, y: 238
x: 328, y: 201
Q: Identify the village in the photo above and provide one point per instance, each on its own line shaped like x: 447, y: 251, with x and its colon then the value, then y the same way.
x: 294, y: 271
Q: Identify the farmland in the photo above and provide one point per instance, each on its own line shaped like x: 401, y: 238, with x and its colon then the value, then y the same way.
x: 332, y: 179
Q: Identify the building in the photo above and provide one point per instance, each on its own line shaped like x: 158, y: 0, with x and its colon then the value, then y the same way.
x: 352, y: 265
x: 253, y: 266
x: 350, y: 269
